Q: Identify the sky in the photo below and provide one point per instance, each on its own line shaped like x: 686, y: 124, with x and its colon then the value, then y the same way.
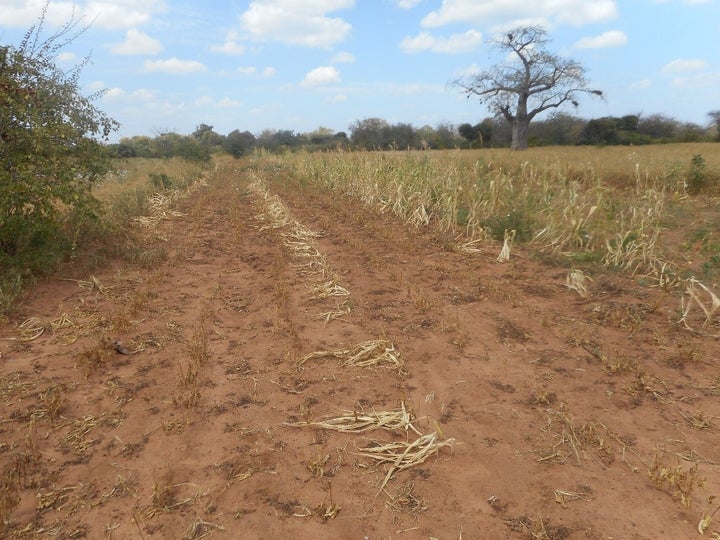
x: 170, y: 65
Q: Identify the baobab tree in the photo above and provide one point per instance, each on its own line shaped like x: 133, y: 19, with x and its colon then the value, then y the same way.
x: 534, y: 80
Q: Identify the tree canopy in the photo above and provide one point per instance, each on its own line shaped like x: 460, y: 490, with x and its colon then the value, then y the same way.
x: 534, y: 81
x: 50, y: 141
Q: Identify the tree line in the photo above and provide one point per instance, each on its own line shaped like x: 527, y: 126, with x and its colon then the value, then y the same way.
x: 377, y: 134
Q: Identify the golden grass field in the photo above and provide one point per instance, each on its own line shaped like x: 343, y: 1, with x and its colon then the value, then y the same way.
x: 461, y: 344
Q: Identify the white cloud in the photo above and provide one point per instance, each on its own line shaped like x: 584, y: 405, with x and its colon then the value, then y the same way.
x: 231, y: 45
x: 469, y: 71
x: 321, y: 76
x: 408, y: 4
x: 142, y: 94
x: 121, y: 13
x: 683, y: 64
x: 137, y: 42
x: 296, y: 22
x: 641, y: 84
x: 224, y: 103
x: 342, y: 58
x: 66, y: 57
x: 575, y: 12
x: 203, y: 101
x: 612, y: 38
x: 339, y: 98
x: 96, y: 86
x: 173, y: 66
x: 252, y: 70
x: 108, y: 14
x: 228, y: 103
x: 456, y: 43
x: 113, y: 93
x: 701, y: 80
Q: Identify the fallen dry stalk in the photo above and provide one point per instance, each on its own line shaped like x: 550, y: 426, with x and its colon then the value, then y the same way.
x: 709, y: 306
x: 507, y: 244
x: 355, y: 422
x: 577, y: 281
x: 299, y: 240
x: 365, y: 354
x: 403, y: 455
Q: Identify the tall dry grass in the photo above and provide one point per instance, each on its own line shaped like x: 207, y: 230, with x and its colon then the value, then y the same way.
x: 620, y: 207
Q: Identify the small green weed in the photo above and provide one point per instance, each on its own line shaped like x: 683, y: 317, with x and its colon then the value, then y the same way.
x: 518, y: 220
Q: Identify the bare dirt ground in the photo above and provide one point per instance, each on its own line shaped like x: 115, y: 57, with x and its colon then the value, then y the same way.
x: 554, y: 416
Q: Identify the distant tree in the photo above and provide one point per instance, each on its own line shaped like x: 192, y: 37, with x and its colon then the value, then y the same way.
x: 479, y: 134
x: 370, y: 134
x: 486, y: 129
x: 601, y: 131
x: 171, y: 144
x: 238, y: 143
x: 658, y: 127
x: 629, y: 123
x: 535, y: 82
x: 279, y: 140
x: 446, y: 136
x: 690, y: 132
x: 205, y: 135
x: 403, y: 136
x: 470, y: 133
x: 614, y: 130
x: 125, y: 149
x: 50, y: 149
x: 558, y: 129
x: 715, y: 120
x: 137, y: 146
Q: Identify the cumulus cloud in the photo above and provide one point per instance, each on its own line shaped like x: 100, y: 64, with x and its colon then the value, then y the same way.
x: 683, y: 64
x: 113, y: 93
x: 641, y: 84
x: 296, y: 23
x: 231, y: 45
x: 701, y: 80
x: 110, y: 14
x: 342, y: 58
x: 456, y: 43
x: 320, y: 76
x: 575, y: 12
x: 408, y: 4
x: 137, y: 42
x: 469, y: 71
x: 224, y: 103
x: 66, y: 57
x: 613, y: 38
x: 142, y: 94
x: 173, y: 66
x: 252, y: 70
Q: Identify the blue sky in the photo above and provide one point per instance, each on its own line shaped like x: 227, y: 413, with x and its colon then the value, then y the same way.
x: 169, y: 65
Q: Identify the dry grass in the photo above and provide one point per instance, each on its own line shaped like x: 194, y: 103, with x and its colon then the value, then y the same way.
x: 300, y: 241
x: 359, y: 422
x: 700, y: 297
x: 610, y: 206
x: 400, y: 456
x: 679, y: 481
x: 373, y: 353
x: 406, y: 500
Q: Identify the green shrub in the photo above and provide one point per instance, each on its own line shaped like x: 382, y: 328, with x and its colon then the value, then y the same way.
x: 518, y: 220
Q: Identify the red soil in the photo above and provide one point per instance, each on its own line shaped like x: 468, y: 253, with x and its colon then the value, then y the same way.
x: 570, y: 417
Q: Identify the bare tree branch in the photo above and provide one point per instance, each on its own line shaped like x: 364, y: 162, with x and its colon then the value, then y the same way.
x: 535, y: 82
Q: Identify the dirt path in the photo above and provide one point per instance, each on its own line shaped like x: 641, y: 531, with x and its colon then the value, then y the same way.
x: 554, y: 416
